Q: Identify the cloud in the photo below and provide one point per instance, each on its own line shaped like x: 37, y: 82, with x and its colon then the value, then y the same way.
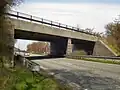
x: 93, y: 15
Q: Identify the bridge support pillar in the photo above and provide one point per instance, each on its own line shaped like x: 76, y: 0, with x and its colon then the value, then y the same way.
x: 58, y: 48
x: 69, y: 47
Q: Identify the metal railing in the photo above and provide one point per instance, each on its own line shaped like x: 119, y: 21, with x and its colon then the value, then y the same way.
x: 31, y: 65
x: 34, y: 67
x: 24, y: 16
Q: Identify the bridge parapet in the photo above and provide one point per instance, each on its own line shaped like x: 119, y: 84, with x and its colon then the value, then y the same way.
x: 25, y: 26
x: 31, y: 18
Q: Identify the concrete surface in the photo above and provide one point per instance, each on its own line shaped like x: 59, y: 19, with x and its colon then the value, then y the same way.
x: 58, y: 48
x: 83, y: 75
x: 101, y: 49
x: 28, y: 26
x: 58, y: 37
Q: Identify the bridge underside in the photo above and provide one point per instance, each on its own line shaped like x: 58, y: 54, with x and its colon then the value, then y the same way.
x: 20, y: 34
x: 58, y: 45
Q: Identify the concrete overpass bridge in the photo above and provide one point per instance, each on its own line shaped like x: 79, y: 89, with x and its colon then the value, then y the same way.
x: 64, y: 39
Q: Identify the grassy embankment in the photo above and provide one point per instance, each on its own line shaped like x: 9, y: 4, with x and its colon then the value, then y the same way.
x: 108, y: 61
x: 21, y: 78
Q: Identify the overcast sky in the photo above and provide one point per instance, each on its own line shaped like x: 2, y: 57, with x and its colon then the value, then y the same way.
x: 76, y: 1
x: 85, y: 13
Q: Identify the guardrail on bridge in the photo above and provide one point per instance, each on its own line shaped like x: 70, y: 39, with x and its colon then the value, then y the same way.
x: 45, y: 21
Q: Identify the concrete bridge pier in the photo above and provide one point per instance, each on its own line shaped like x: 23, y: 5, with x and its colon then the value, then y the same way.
x: 58, y: 47
x: 69, y: 47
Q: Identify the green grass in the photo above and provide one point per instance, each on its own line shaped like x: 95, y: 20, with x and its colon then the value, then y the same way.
x: 109, y: 61
x: 78, y: 52
x: 22, y: 79
x: 102, y: 60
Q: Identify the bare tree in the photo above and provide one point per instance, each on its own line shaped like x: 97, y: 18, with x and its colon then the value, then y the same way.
x: 6, y: 30
x: 113, y: 33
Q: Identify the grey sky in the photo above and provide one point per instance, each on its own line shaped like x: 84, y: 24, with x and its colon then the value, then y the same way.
x: 76, y: 1
x: 86, y: 15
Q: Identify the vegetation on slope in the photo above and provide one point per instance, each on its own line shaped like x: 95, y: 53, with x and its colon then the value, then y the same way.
x: 113, y: 35
x: 108, y: 61
x: 23, y: 79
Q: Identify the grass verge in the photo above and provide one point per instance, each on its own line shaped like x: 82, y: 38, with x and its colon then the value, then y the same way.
x: 23, y: 79
x: 108, y: 61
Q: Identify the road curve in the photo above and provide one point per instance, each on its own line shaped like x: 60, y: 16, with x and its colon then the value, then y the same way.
x: 83, y: 75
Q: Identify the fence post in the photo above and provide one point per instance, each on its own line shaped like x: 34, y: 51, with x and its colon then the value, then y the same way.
x: 66, y: 26
x: 24, y: 61
x: 73, y: 28
x: 27, y: 63
x: 42, y: 20
x: 59, y: 25
x: 17, y: 15
x: 51, y: 23
x: 31, y: 18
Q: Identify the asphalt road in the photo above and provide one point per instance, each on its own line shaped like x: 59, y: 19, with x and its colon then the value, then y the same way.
x: 83, y: 75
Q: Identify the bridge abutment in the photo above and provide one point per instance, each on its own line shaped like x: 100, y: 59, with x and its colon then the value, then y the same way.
x: 101, y: 49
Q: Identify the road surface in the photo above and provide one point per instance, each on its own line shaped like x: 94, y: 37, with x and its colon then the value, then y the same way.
x: 83, y: 75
